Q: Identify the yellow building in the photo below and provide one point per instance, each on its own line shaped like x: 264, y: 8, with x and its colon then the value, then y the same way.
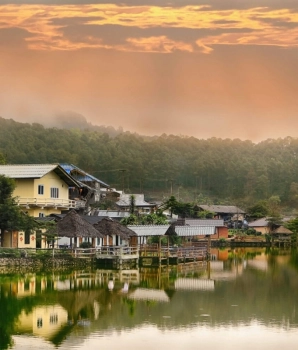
x: 41, y: 190
x: 43, y: 321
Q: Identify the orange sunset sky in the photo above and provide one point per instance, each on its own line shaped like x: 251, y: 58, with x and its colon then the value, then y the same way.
x: 218, y: 68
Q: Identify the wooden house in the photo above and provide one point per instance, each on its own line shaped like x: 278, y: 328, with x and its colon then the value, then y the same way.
x: 114, y: 234
x: 74, y: 230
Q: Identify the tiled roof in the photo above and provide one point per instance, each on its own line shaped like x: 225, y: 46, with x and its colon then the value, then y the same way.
x: 112, y: 213
x: 185, y: 231
x: 36, y: 171
x: 139, y: 201
x: 204, y: 222
x: 259, y: 223
x: 225, y: 209
x: 29, y: 171
x: 149, y: 230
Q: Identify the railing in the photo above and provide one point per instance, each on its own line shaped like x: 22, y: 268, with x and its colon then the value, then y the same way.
x: 51, y: 202
x: 116, y: 251
x: 177, y: 252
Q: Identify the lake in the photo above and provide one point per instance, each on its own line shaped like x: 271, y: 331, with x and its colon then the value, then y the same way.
x: 244, y: 298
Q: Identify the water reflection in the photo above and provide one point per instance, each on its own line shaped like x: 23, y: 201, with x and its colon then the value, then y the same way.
x: 255, y: 289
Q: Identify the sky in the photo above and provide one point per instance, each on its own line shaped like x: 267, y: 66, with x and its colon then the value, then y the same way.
x: 226, y: 69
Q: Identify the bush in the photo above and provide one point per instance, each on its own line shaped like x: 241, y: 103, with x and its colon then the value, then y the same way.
x: 86, y: 245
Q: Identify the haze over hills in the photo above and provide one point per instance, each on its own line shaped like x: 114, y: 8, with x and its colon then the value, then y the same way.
x: 215, y: 170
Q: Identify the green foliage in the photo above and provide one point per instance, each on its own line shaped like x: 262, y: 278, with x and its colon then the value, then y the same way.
x: 11, y: 215
x: 292, y: 225
x: 86, y: 245
x: 205, y: 214
x: 219, y: 170
x: 148, y: 219
x: 259, y: 210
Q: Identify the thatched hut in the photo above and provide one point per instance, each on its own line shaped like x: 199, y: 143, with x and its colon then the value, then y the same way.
x: 114, y: 233
x: 73, y: 230
x: 282, y: 234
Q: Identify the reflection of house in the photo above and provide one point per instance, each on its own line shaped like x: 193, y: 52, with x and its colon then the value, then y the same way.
x: 149, y: 294
x: 194, y: 284
x: 44, y: 321
x: 139, y: 203
x: 225, y: 212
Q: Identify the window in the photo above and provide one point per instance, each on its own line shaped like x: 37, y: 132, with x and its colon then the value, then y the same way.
x: 40, y: 189
x: 39, y: 323
x: 41, y: 215
x: 54, y: 192
x: 54, y: 319
x: 27, y: 237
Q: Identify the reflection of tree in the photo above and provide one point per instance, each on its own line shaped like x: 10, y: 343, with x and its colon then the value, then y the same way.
x: 10, y: 311
x: 131, y: 305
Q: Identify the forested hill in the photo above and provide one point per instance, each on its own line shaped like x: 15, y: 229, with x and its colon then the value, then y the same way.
x: 229, y: 171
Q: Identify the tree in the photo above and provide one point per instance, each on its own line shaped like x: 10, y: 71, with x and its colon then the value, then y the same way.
x: 11, y: 215
x: 259, y: 210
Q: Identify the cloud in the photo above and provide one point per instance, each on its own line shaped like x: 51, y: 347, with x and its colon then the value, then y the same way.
x: 148, y: 28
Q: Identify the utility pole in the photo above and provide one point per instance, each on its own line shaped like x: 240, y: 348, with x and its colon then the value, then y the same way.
x: 171, y: 182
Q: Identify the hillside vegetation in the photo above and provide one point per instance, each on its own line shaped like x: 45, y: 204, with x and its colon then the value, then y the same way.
x: 223, y: 170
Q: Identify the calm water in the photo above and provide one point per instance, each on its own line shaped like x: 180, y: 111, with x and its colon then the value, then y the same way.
x: 242, y: 299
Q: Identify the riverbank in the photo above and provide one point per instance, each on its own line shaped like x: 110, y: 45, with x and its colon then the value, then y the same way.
x: 38, y: 264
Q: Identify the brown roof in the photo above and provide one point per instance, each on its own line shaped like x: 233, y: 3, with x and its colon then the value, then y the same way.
x: 109, y: 227
x: 73, y: 225
x: 282, y: 230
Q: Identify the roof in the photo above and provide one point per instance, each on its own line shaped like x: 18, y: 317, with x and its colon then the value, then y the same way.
x: 224, y: 209
x: 281, y: 230
x: 149, y: 230
x: 185, y: 231
x: 80, y: 174
x: 139, y: 201
x: 112, y: 214
x: 204, y: 222
x: 73, y: 225
x: 109, y: 227
x: 89, y: 218
x: 259, y: 223
x: 36, y: 171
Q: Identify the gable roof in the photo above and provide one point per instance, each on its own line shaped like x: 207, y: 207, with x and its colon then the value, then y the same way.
x: 36, y: 171
x: 204, y: 222
x: 139, y: 201
x: 259, y: 223
x: 80, y: 174
x: 186, y: 231
x: 224, y: 209
x: 149, y: 230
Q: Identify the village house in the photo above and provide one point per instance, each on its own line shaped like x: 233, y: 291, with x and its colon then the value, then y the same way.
x: 224, y: 212
x: 140, y: 204
x: 41, y: 190
x: 92, y: 189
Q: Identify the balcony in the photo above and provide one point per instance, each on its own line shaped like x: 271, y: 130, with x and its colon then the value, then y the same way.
x: 56, y: 203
